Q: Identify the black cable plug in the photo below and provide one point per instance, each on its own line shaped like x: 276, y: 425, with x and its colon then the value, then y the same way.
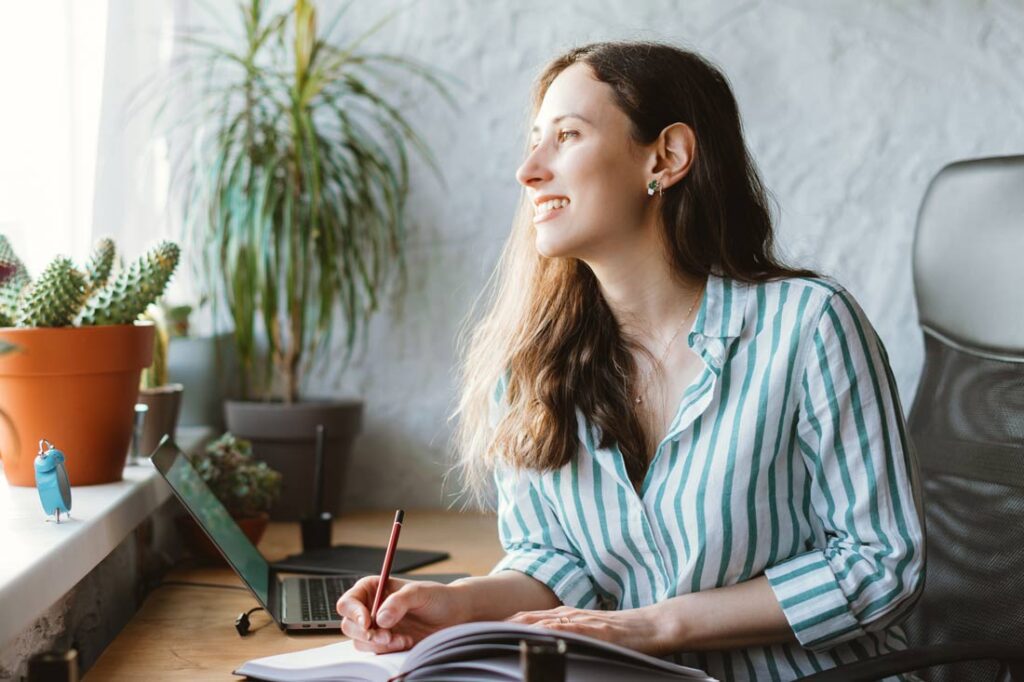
x: 242, y: 622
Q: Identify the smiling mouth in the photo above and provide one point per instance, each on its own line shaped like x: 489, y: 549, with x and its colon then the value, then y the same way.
x: 549, y: 215
x: 549, y: 209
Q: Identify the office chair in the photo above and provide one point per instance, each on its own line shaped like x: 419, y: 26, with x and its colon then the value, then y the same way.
x: 967, y: 424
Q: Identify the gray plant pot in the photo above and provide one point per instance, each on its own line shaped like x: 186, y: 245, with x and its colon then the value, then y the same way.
x: 205, y: 366
x: 164, y: 403
x: 284, y: 436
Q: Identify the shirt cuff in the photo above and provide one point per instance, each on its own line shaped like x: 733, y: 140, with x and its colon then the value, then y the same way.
x: 814, y: 604
x: 562, y: 575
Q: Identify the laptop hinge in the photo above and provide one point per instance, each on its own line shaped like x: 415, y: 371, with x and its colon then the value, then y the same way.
x: 275, y: 596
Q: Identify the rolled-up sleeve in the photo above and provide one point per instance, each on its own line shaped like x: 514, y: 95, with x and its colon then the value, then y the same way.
x: 864, y: 489
x: 535, y: 543
x: 531, y: 534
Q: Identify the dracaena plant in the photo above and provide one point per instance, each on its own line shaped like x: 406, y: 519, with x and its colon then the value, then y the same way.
x: 295, y: 187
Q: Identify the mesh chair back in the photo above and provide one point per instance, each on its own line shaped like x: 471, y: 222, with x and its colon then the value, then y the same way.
x: 967, y: 420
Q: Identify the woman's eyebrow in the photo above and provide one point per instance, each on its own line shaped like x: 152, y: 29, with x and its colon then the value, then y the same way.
x: 556, y: 119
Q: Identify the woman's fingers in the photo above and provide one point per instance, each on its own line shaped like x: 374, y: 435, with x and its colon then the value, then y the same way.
x: 354, y: 608
x: 353, y: 604
x: 527, y: 617
x: 555, y: 624
x: 351, y: 629
x: 396, y: 643
x: 532, y: 617
x: 591, y: 625
x: 374, y: 636
x: 409, y: 597
x: 589, y: 630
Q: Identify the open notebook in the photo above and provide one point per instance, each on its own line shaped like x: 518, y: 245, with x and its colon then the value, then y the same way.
x: 471, y: 652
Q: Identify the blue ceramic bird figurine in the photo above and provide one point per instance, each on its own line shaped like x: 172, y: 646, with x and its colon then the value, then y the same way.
x: 52, y: 480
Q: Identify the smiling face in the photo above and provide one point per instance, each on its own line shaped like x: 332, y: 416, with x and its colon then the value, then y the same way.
x: 582, y: 157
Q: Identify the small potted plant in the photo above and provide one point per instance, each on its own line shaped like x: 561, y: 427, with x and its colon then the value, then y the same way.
x: 75, y: 378
x: 161, y: 398
x: 245, y: 486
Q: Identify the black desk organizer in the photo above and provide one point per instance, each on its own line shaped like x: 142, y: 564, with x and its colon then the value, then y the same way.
x: 320, y: 557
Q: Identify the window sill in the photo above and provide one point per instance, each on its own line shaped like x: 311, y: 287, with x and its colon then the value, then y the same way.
x: 40, y: 560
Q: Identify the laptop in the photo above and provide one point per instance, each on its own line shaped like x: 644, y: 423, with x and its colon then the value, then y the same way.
x: 300, y: 604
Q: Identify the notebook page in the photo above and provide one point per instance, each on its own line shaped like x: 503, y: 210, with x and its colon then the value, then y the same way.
x: 332, y: 662
x: 507, y: 669
x: 452, y: 638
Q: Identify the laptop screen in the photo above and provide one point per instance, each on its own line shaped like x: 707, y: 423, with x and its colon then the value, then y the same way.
x: 214, y: 518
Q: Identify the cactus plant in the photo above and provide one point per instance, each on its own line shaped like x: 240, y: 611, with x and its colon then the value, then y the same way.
x: 6, y: 273
x: 101, y: 262
x: 55, y: 298
x: 126, y: 296
x: 64, y: 296
x: 84, y: 380
x: 13, y: 280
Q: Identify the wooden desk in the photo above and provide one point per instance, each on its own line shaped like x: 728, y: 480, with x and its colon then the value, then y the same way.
x: 187, y: 633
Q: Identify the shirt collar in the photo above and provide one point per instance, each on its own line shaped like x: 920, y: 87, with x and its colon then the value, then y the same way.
x: 722, y: 309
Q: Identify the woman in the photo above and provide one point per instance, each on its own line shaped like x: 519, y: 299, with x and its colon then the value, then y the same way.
x: 699, y: 452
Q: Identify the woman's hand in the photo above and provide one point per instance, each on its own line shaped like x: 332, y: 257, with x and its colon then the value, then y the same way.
x: 411, y: 610
x: 642, y: 629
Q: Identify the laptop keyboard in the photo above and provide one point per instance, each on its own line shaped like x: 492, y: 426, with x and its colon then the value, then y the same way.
x: 319, y: 595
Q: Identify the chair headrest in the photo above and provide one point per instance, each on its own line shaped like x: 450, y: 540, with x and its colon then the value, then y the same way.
x: 969, y: 255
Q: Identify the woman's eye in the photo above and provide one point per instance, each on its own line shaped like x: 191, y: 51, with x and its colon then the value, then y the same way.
x: 560, y: 137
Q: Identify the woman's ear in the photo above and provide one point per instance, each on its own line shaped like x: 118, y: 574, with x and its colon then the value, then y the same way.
x: 674, y: 151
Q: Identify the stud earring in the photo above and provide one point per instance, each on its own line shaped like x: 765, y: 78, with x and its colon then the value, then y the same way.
x: 654, y: 186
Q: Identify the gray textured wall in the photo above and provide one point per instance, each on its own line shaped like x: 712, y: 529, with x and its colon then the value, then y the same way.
x: 850, y: 108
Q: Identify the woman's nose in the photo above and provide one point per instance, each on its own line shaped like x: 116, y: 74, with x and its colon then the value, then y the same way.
x: 533, y: 170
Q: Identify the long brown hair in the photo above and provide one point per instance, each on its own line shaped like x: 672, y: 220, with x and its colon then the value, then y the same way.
x: 547, y: 327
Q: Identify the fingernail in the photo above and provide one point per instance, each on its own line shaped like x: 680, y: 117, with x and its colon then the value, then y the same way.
x: 384, y: 618
x: 382, y: 637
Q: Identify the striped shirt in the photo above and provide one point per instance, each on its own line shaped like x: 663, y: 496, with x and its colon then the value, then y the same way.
x: 788, y: 456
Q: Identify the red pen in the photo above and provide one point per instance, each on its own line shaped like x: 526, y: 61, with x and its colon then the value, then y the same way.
x: 385, y: 571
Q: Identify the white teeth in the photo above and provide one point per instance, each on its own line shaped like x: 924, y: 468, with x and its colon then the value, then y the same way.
x: 551, y: 205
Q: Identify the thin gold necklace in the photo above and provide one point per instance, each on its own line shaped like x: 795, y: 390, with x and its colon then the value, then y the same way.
x: 664, y: 353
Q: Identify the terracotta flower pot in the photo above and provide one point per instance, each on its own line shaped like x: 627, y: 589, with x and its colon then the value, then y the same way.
x: 76, y: 387
x: 252, y: 527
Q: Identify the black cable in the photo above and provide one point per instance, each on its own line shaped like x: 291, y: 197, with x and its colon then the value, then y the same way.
x: 242, y: 622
